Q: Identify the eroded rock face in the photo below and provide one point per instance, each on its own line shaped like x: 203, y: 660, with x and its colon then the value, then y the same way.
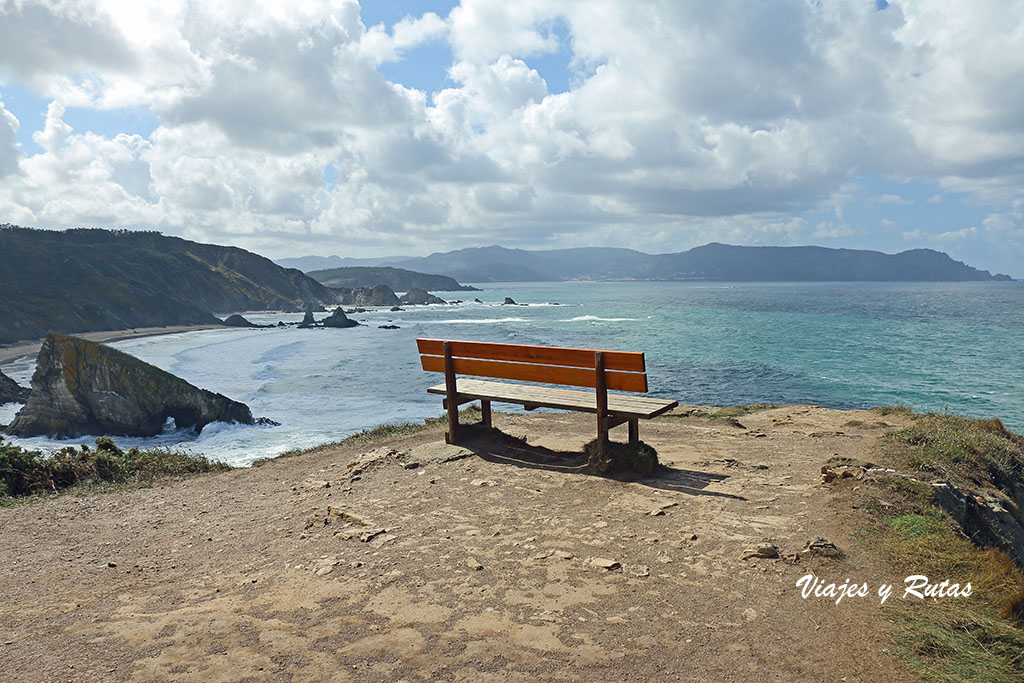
x: 378, y: 295
x: 80, y: 387
x: 11, y: 391
x: 417, y: 296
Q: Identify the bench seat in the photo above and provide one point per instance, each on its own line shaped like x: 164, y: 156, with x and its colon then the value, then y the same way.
x: 530, y: 396
x: 554, y: 366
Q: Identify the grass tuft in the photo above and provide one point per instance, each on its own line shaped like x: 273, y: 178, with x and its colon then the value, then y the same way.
x: 897, y: 409
x: 953, y: 639
x: 27, y: 475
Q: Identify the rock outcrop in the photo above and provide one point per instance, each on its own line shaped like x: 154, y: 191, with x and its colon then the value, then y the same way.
x: 237, y: 321
x: 339, y: 319
x: 378, y: 295
x: 417, y: 296
x: 80, y: 387
x: 308, y: 320
x: 11, y: 391
x: 509, y: 301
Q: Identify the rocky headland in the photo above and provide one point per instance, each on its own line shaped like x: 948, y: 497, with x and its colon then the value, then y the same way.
x: 80, y: 387
x: 11, y: 391
x: 419, y: 297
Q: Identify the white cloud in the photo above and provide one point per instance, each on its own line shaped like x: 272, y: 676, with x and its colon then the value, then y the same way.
x: 9, y: 153
x: 827, y: 230
x: 893, y: 199
x: 684, y: 121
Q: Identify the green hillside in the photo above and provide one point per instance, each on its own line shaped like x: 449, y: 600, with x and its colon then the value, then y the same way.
x: 84, y: 280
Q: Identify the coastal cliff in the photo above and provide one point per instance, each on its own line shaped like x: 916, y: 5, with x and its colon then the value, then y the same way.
x: 80, y: 387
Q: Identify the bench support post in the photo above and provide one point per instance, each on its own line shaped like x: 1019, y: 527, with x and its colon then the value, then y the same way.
x: 634, y: 431
x: 452, y: 394
x: 602, y: 401
x: 485, y: 413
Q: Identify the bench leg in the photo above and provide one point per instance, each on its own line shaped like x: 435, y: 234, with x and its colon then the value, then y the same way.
x: 634, y: 431
x: 452, y: 394
x: 602, y: 430
x: 453, y: 424
x: 485, y: 413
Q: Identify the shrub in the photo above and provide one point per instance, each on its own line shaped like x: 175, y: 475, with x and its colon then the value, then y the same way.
x: 621, y: 457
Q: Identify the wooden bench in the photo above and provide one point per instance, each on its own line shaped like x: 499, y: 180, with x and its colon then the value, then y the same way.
x: 599, y: 370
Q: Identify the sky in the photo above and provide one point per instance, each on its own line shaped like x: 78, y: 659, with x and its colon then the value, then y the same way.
x: 391, y: 127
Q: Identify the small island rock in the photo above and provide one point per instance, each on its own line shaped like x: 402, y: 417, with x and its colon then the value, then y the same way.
x: 509, y: 302
x: 308, y: 320
x: 80, y: 387
x: 339, y: 319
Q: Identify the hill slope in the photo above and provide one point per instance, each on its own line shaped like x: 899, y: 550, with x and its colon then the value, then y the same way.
x: 88, y: 279
x: 398, y: 279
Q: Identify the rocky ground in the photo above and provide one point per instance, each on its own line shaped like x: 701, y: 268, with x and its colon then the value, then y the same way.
x: 409, y: 559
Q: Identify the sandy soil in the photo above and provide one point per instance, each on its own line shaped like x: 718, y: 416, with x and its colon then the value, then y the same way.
x: 17, y: 350
x: 410, y: 559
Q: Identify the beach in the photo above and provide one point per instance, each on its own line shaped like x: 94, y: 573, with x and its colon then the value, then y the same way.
x: 408, y: 559
x: 31, y: 348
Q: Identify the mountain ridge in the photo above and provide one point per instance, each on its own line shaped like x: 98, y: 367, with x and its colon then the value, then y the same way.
x: 713, y: 261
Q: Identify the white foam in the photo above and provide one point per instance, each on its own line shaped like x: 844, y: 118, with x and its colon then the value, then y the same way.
x: 594, y: 318
x: 476, y: 321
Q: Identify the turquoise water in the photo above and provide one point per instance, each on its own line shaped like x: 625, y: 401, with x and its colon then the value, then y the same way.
x: 957, y: 347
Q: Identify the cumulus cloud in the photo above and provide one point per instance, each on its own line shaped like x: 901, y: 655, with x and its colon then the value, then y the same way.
x: 683, y: 121
x: 9, y: 153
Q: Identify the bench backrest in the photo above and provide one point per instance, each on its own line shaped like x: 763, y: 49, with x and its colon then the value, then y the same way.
x: 622, y: 370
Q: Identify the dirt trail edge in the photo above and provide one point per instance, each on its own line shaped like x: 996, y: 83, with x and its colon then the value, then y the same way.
x: 409, y: 559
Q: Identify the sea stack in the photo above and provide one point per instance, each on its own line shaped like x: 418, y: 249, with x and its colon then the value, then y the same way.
x: 339, y: 319
x: 80, y: 387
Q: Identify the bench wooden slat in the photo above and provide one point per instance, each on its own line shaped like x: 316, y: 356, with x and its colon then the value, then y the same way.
x: 553, y: 397
x: 550, y: 374
x: 625, y: 361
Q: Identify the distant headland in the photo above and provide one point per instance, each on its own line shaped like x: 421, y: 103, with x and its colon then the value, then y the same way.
x: 713, y: 261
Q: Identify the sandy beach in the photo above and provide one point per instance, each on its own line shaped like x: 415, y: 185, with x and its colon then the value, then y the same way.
x: 409, y: 559
x: 31, y: 348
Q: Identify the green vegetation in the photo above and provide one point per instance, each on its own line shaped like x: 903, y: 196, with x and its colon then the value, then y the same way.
x: 898, y: 409
x: 116, y: 279
x: 961, y: 450
x: 27, y: 474
x: 379, y: 433
x: 980, y: 637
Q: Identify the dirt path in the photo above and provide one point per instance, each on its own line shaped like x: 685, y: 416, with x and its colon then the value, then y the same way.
x: 410, y: 559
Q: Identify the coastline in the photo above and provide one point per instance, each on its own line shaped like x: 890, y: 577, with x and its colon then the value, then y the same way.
x: 29, y: 348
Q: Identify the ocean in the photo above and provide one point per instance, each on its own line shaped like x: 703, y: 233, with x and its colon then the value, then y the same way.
x: 933, y: 346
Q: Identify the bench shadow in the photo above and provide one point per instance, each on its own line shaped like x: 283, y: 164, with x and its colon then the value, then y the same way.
x: 497, y: 447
